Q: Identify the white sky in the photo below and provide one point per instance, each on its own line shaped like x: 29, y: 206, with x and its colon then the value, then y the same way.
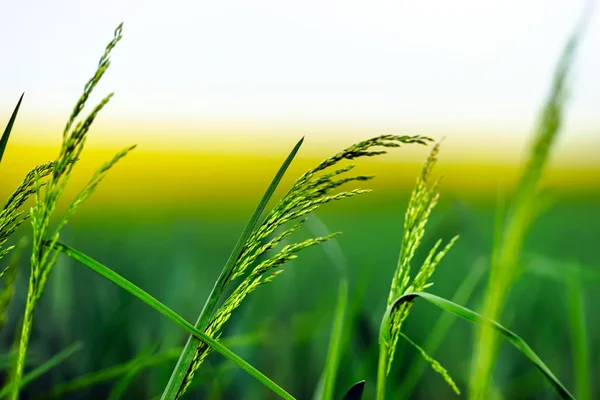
x: 461, y: 64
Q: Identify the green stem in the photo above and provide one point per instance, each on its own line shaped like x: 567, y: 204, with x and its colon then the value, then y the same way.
x: 23, y: 342
x: 382, y: 370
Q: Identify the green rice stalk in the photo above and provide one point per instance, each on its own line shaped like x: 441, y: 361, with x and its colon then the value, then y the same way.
x: 504, y: 267
x: 309, y: 192
x: 9, y: 126
x: 189, y: 352
x: 422, y: 201
x: 478, y: 319
x: 10, y: 215
x: 437, y: 367
x: 167, y: 312
x: 47, y: 197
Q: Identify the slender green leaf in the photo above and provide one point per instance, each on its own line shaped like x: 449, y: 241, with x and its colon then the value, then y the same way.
x: 475, y: 318
x: 166, y: 311
x: 42, y: 369
x: 189, y: 351
x: 439, y: 331
x: 9, y: 127
x: 335, y: 343
x: 355, y: 392
x: 326, y: 386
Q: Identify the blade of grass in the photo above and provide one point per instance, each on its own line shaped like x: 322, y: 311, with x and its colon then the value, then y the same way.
x: 576, y: 312
x: 9, y: 127
x: 335, y: 343
x: 167, y: 312
x: 326, y: 386
x: 476, y: 318
x: 189, y: 351
x: 439, y: 331
x: 355, y: 392
x: 42, y: 369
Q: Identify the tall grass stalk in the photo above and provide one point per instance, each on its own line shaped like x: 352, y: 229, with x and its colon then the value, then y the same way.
x: 504, y: 267
x: 422, y: 201
x: 47, y: 196
x: 309, y: 192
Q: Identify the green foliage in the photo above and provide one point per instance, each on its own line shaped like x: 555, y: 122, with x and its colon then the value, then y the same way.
x: 309, y: 192
x: 167, y: 312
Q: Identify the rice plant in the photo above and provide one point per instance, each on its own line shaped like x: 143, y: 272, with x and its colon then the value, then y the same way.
x: 308, y: 193
x: 422, y: 201
x: 47, y: 196
x: 505, y: 261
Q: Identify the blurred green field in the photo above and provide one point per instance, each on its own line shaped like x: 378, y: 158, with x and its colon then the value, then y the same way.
x: 283, y: 328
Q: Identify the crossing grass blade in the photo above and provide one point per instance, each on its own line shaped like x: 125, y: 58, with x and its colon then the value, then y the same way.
x: 476, y: 318
x: 167, y: 312
x: 45, y: 367
x: 355, y: 392
x: 9, y: 127
x: 187, y: 356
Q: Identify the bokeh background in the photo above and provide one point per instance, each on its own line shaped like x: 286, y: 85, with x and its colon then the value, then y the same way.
x: 216, y: 95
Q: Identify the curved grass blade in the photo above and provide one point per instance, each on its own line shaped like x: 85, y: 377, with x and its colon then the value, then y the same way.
x: 173, y: 316
x: 439, y: 331
x: 187, y: 356
x: 475, y: 318
x: 355, y: 392
x: 42, y: 369
x: 9, y: 127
